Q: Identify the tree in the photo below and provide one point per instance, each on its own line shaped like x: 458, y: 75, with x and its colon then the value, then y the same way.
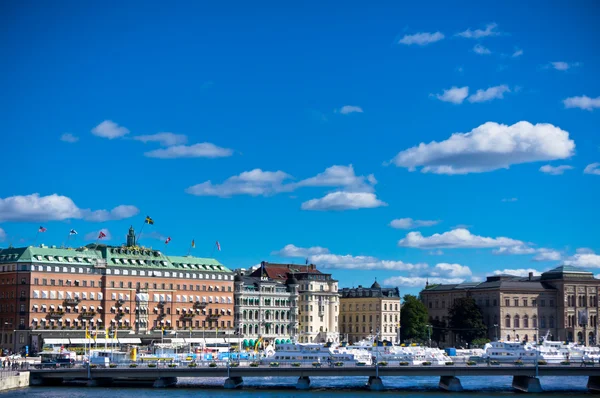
x: 438, y: 330
x: 413, y: 319
x: 466, y: 319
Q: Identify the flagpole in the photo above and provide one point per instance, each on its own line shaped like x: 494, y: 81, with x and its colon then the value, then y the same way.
x: 139, y: 235
x: 36, y: 236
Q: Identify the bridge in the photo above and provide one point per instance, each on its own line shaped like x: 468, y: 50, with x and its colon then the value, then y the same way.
x: 525, y: 377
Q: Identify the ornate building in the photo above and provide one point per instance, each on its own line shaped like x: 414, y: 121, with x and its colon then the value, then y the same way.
x: 562, y: 303
x: 373, y: 311
x: 55, y: 293
x: 265, y: 308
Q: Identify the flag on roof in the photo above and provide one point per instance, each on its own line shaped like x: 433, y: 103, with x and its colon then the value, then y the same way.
x: 42, y: 229
x: 218, y: 246
x: 72, y: 232
x: 149, y: 220
x: 168, y: 240
x: 101, y: 235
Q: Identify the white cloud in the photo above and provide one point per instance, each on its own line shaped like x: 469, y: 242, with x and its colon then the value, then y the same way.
x: 436, y: 252
x: 94, y: 235
x: 342, y: 200
x: 409, y: 223
x: 55, y: 207
x: 68, y: 137
x: 451, y: 270
x: 563, y: 66
x: 544, y: 254
x: 202, y: 150
x: 295, y: 251
x: 555, y: 170
x: 489, y: 94
x: 254, y: 183
x: 164, y: 139
x: 582, y: 102
x: 339, y: 176
x: 422, y: 39
x: 521, y: 249
x: 2, y: 235
x: 510, y: 199
x: 586, y: 260
x: 517, y: 53
x: 478, y: 33
x: 455, y: 239
x: 481, y: 50
x: 109, y: 129
x: 489, y: 147
x: 412, y: 281
x: 346, y: 109
x: 522, y: 272
x: 593, y: 168
x: 455, y: 95
x: 584, y: 250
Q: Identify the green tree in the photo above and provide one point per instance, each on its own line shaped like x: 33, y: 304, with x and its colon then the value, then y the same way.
x: 413, y: 319
x: 466, y: 319
x: 438, y: 330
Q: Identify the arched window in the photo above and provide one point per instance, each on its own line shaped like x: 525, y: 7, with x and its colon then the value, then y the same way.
x: 526, y: 323
x: 517, y: 322
x: 534, y: 321
x: 507, y: 321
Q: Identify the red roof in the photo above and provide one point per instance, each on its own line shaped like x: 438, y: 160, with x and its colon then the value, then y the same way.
x: 281, y: 271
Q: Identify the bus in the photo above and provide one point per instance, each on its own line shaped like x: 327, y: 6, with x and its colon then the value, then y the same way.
x: 55, y: 359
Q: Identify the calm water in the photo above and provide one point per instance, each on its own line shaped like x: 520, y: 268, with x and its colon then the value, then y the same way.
x: 320, y: 387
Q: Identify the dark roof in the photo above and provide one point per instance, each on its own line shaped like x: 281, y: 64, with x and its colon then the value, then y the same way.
x: 375, y: 285
x: 282, y: 271
x: 360, y: 291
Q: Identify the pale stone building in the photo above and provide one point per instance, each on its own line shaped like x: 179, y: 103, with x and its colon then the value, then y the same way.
x: 561, y: 303
x: 367, y: 312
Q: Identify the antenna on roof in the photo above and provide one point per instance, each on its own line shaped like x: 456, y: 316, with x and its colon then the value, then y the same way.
x: 427, y: 283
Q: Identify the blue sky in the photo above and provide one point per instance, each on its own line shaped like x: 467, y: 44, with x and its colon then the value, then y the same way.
x: 304, y: 130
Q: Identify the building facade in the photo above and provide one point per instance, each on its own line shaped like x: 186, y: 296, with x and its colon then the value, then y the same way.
x: 50, y: 292
x: 318, y: 301
x: 366, y: 312
x: 561, y: 303
x: 265, y: 309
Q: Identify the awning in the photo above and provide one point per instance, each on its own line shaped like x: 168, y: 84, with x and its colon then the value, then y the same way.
x: 99, y: 307
x: 56, y: 341
x: 35, y: 320
x: 99, y: 320
x: 35, y: 306
x: 178, y: 340
x: 52, y: 307
x: 194, y: 340
x: 60, y: 307
x: 113, y: 308
x: 130, y: 340
x: 127, y: 308
x: 82, y: 341
x: 108, y: 341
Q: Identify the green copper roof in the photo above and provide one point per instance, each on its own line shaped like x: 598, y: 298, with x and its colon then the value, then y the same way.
x: 567, y: 269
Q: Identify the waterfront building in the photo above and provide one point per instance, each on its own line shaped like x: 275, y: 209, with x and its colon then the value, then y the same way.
x: 55, y: 293
x: 370, y: 311
x: 318, y: 301
x: 562, y: 303
x: 265, y: 308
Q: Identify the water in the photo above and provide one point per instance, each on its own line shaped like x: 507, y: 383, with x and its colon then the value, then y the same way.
x: 320, y: 387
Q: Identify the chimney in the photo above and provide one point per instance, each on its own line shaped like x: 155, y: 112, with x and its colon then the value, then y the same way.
x: 530, y: 275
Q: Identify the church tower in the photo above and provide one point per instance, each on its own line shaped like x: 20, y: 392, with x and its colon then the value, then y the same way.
x: 131, y: 237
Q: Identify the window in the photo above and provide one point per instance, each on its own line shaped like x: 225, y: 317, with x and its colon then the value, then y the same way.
x: 507, y: 321
x: 552, y: 304
x: 507, y: 302
x: 524, y: 302
x: 543, y: 303
x: 517, y: 322
x: 516, y: 302
x: 526, y: 322
x: 534, y: 321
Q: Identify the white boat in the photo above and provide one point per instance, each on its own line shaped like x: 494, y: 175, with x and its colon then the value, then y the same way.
x: 412, y: 354
x: 316, y: 353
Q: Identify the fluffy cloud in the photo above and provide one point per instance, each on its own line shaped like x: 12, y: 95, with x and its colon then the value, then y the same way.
x: 563, y: 66
x: 409, y: 223
x: 295, y: 251
x: 455, y: 95
x: 582, y: 102
x: 346, y: 109
x: 2, y: 235
x: 164, y: 139
x: 478, y: 33
x: 489, y: 147
x: 489, y: 94
x: 109, y: 129
x: 412, y: 281
x: 593, y: 168
x: 541, y: 254
x: 451, y: 270
x: 55, y: 207
x: 339, y: 176
x: 422, y: 39
x: 584, y: 259
x: 254, y: 183
x: 547, y: 255
x: 517, y: 272
x: 203, y: 150
x: 68, y: 137
x: 555, y: 170
x: 481, y: 50
x: 455, y: 239
x: 517, y: 53
x: 94, y: 235
x: 521, y: 249
x: 342, y: 200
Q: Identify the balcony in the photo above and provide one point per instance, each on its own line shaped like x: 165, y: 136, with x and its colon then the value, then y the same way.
x: 55, y: 314
x: 120, y: 302
x: 213, y: 317
x: 87, y: 315
x: 200, y: 305
x: 162, y: 303
x: 160, y: 316
x: 188, y: 316
x: 119, y: 314
x: 73, y: 301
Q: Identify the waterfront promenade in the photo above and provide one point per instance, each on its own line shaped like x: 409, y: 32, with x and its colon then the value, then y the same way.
x: 525, y: 377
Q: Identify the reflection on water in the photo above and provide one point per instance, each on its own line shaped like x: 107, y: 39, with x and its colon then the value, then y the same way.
x: 320, y: 387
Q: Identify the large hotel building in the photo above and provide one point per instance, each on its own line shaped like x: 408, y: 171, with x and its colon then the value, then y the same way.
x: 561, y: 303
x: 55, y: 293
